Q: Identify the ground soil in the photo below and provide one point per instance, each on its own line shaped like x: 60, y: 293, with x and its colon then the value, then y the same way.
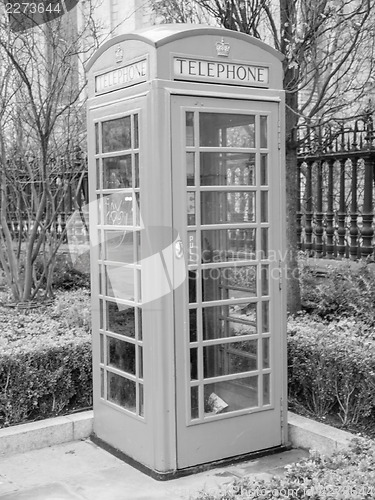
x: 365, y: 428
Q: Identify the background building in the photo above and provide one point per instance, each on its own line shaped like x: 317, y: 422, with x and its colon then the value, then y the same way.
x: 119, y: 16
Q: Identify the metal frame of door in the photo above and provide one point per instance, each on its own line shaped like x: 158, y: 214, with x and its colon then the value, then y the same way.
x: 117, y: 306
x: 229, y: 338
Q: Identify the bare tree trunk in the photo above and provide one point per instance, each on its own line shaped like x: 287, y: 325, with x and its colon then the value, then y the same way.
x: 293, y: 286
x: 41, y: 127
x: 288, y: 19
x: 7, y: 258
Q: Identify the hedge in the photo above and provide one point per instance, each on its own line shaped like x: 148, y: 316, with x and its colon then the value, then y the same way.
x: 45, y: 364
x: 331, y: 367
x: 42, y: 379
x: 45, y: 360
x: 346, y: 290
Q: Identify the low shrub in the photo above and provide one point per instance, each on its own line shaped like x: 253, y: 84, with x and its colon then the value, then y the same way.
x: 346, y: 474
x: 45, y: 360
x: 69, y: 276
x: 72, y: 309
x: 345, y: 290
x: 331, y: 367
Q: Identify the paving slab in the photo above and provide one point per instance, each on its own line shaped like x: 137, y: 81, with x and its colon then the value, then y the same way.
x: 80, y: 470
x: 53, y: 491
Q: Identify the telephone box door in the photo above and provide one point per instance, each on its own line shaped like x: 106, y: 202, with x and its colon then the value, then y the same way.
x: 117, y: 304
x: 228, y: 331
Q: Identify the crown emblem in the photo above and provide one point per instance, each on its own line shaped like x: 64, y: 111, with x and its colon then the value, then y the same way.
x: 119, y: 54
x: 222, y: 48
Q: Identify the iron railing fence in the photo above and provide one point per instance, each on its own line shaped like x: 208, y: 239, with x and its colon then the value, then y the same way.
x: 336, y: 189
x: 335, y: 216
x: 69, y: 190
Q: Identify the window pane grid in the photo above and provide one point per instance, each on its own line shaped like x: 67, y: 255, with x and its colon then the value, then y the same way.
x: 121, y: 346
x: 234, y: 168
x: 225, y: 340
x: 228, y: 188
x: 232, y: 377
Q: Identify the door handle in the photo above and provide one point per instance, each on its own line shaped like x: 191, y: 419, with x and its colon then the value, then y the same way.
x: 179, y: 249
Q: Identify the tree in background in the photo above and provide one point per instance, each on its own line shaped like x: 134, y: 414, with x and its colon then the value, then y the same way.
x: 328, y: 68
x: 42, y: 136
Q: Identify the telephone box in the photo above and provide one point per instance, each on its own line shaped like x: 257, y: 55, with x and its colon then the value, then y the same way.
x: 185, y: 137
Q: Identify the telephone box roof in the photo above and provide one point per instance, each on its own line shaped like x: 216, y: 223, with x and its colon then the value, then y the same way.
x: 163, y: 34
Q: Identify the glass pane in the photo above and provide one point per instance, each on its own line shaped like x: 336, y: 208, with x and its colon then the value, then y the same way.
x: 227, y: 130
x: 189, y: 128
x: 139, y: 317
x: 265, y: 279
x: 136, y: 132
x: 120, y: 319
x: 100, y: 273
x: 263, y: 170
x: 194, y: 402
x: 121, y: 355
x: 264, y: 206
x: 101, y: 383
x: 193, y: 325
x: 227, y: 169
x: 266, y: 353
x: 190, y: 169
x: 118, y: 246
x: 140, y: 361
x: 98, y: 176
x: 118, y: 209
x: 232, y: 395
x: 190, y: 203
x: 266, y: 389
x: 194, y: 363
x: 227, y: 245
x: 100, y: 246
x: 141, y: 409
x: 117, y: 172
x: 220, y: 207
x: 96, y: 138
x: 263, y: 131
x: 136, y: 170
x: 101, y: 348
x: 265, y: 317
x: 101, y: 312
x: 193, y: 286
x: 139, y: 285
x: 137, y: 209
x: 229, y: 321
x: 225, y: 359
x: 99, y: 203
x: 121, y: 391
x: 264, y: 242
x: 229, y: 283
x: 138, y: 248
x: 120, y: 282
x: 116, y: 135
